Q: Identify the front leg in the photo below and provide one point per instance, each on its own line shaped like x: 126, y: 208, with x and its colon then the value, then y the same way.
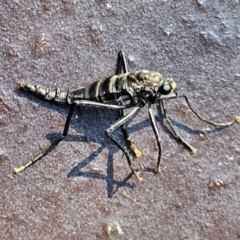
x: 157, y: 135
x: 172, y: 130
x: 215, y: 124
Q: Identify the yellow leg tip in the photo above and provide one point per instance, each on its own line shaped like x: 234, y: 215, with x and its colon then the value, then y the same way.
x: 157, y: 170
x: 137, y: 176
x: 193, y: 150
x: 135, y: 150
x: 18, y: 169
x: 237, y: 119
x: 21, y: 84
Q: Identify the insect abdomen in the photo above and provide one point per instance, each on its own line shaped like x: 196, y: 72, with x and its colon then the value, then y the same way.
x: 45, y: 92
x: 98, y: 91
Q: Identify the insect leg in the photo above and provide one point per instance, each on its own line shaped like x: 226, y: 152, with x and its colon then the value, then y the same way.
x: 172, y: 130
x: 157, y: 135
x: 97, y: 104
x: 122, y: 67
x: 235, y: 120
x: 132, y: 146
x: 118, y: 124
x: 114, y: 126
x: 50, y: 147
x: 122, y: 61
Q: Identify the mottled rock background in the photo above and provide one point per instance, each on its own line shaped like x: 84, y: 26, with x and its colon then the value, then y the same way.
x: 82, y: 189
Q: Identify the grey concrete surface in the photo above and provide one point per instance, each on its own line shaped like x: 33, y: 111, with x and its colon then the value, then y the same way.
x: 82, y: 189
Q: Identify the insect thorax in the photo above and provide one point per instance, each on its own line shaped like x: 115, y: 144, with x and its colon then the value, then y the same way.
x: 144, y: 80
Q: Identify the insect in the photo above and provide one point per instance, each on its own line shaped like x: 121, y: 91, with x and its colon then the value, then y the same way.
x: 125, y: 90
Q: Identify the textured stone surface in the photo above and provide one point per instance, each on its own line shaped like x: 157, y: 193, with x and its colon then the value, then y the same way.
x: 81, y: 190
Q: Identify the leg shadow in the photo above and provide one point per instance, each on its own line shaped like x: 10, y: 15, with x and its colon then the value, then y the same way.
x: 112, y: 184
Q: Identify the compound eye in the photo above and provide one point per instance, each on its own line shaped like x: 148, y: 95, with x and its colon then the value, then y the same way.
x: 165, y: 89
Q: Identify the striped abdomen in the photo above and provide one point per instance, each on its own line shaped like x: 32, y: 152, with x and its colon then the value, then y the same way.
x: 105, y: 90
